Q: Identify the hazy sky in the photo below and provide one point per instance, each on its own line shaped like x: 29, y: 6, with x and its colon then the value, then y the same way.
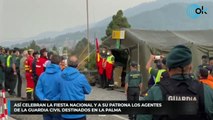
x: 26, y: 18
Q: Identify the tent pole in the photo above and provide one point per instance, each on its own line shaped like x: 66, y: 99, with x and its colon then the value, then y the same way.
x: 138, y: 56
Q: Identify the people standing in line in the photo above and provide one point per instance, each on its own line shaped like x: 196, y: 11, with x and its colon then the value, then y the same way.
x: 11, y: 73
x: 109, y: 69
x: 36, y: 56
x: 17, y: 59
x: 133, y: 85
x: 23, y: 74
x: 47, y: 88
x: 2, y: 68
x: 73, y: 87
x: 29, y: 75
x: 180, y: 83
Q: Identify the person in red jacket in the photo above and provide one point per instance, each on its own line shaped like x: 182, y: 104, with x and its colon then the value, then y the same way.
x: 29, y: 75
x: 40, y: 65
x: 102, y: 68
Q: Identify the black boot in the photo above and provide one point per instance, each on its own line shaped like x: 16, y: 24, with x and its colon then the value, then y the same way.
x: 29, y: 96
x: 110, y: 88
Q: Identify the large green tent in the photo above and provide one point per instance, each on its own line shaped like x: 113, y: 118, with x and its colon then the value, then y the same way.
x: 141, y: 43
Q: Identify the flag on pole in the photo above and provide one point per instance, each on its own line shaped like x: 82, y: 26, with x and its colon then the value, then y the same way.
x: 97, y: 52
x: 98, y: 59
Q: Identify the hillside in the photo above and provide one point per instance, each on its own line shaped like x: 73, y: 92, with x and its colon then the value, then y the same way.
x: 157, y: 15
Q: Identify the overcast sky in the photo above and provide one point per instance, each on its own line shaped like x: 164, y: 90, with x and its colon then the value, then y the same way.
x: 21, y: 19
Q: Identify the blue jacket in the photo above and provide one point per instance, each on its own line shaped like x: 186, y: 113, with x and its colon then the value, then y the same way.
x: 48, y: 83
x: 73, y: 87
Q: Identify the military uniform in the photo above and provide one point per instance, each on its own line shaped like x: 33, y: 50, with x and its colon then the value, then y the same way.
x: 11, y: 78
x: 2, y: 70
x: 18, y: 58
x: 180, y: 86
x: 158, y: 74
x: 133, y: 79
x: 155, y: 93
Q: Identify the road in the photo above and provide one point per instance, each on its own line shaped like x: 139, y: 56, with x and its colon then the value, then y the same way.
x: 97, y: 94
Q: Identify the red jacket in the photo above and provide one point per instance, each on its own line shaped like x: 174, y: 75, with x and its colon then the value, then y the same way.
x: 28, y: 64
x: 109, y: 67
x: 40, y: 65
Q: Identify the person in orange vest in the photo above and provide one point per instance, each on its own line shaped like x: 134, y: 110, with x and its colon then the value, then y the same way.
x: 210, y: 76
x: 29, y: 75
x: 109, y: 69
x: 204, y: 72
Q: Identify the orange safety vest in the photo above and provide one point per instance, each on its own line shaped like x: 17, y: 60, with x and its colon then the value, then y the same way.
x: 207, y: 82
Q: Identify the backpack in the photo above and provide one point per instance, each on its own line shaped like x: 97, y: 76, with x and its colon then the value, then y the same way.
x: 189, y: 87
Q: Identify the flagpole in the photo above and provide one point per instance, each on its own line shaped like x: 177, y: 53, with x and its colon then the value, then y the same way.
x: 87, y: 9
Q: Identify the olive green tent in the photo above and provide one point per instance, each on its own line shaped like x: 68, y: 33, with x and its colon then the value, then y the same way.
x: 141, y: 43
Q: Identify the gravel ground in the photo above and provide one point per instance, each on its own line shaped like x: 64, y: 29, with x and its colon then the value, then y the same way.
x: 97, y: 94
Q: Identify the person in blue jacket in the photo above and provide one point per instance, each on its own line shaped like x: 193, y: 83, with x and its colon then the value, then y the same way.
x: 73, y: 87
x: 47, y: 84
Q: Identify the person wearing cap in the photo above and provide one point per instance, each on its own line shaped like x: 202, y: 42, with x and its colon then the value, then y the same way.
x: 160, y: 72
x: 40, y: 65
x: 29, y: 75
x: 133, y: 85
x: 180, y: 83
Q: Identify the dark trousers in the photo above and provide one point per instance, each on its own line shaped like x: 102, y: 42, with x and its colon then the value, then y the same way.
x: 110, y: 82
x: 103, y: 80
x: 35, y: 97
x: 19, y: 84
x: 133, y: 95
x: 83, y: 118
x: 10, y: 82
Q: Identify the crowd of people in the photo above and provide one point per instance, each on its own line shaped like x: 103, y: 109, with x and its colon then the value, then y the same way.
x: 42, y: 76
x: 46, y: 76
x: 173, y: 79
